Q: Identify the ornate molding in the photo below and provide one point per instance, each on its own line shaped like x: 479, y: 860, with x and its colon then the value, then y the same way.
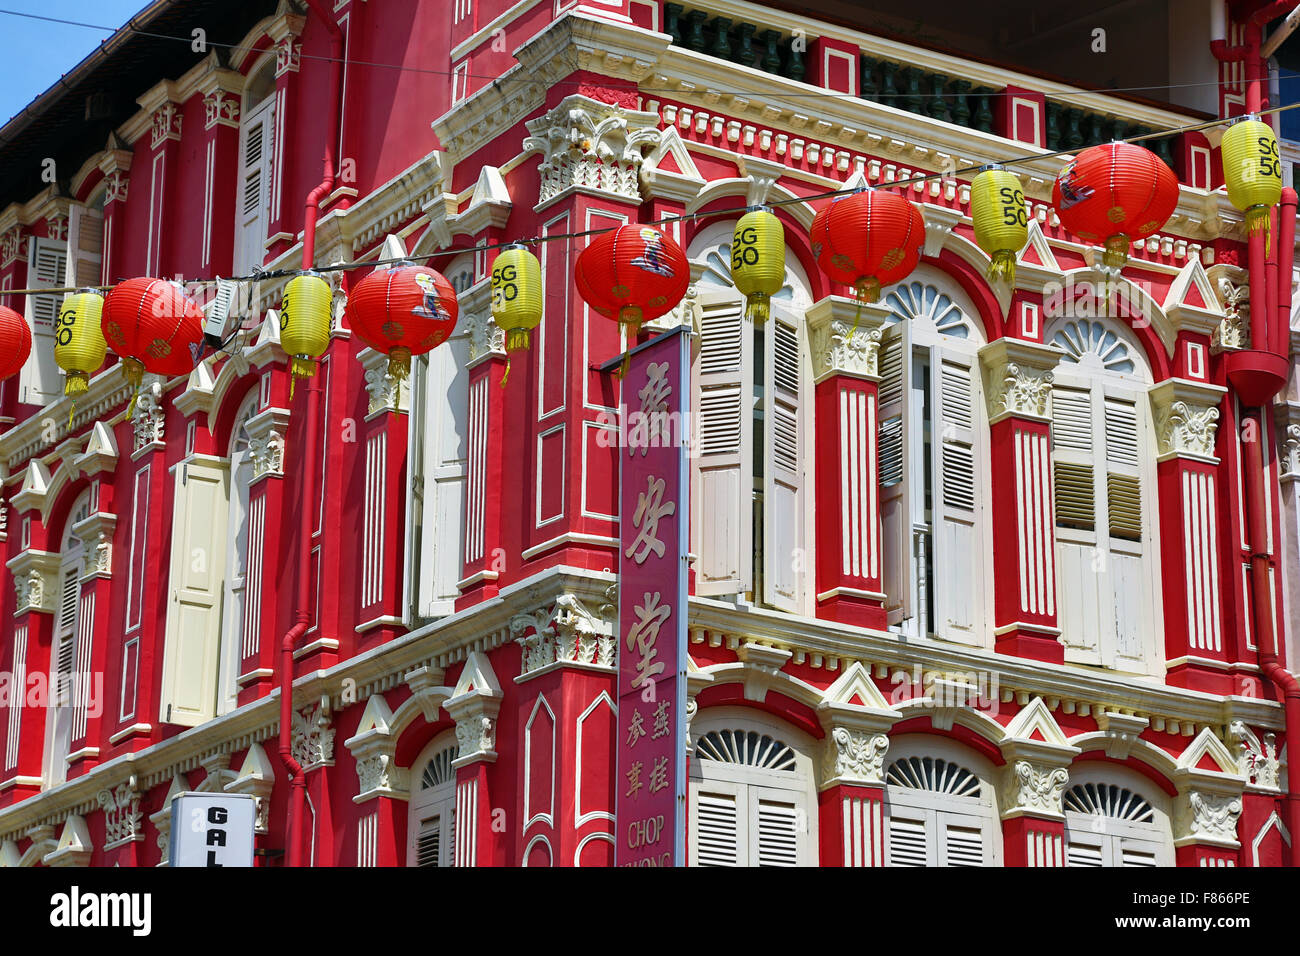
x: 1256, y: 761
x: 1033, y: 788
x: 267, y: 431
x: 313, y: 738
x: 844, y: 338
x: 11, y: 245
x: 56, y: 227
x: 288, y: 56
x: 1018, y: 376
x: 854, y: 756
x: 1287, y: 417
x: 1233, y: 331
x: 379, y: 776
x: 486, y: 338
x: 1186, y: 416
x: 166, y: 124
x: 221, y: 108
x: 387, y: 393
x: 123, y: 820
x: 35, y: 577
x: 96, y: 530
x: 115, y: 187
x: 1204, y: 816
x: 592, y: 147
x: 565, y: 633
x: 150, y: 417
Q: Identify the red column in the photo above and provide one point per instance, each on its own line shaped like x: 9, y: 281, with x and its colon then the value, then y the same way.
x: 221, y: 102
x: 1186, y: 417
x: 851, y: 804
x: 94, y: 698
x: 844, y: 339
x: 281, y: 233
x: 1033, y: 841
x: 1018, y: 380
x: 35, y: 580
x: 852, y: 822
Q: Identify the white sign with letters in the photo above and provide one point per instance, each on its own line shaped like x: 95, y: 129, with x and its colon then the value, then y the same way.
x: 213, y: 829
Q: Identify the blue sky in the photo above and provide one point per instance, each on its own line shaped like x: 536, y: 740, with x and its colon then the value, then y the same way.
x: 35, y: 53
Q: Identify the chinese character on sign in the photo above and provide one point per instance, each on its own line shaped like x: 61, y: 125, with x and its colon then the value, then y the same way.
x: 634, y: 780
x: 635, y: 730
x: 654, y: 425
x: 650, y: 509
x: 662, y: 726
x: 659, y: 775
x: 651, y: 616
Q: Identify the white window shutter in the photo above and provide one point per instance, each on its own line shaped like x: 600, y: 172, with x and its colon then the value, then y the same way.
x: 722, y: 487
x: 85, y: 247
x: 40, y: 381
x: 1129, y: 591
x: 911, y: 840
x: 1085, y: 852
x: 895, y: 469
x: 236, y: 579
x: 1076, y: 438
x: 253, y: 203
x: 958, y: 500
x: 784, y: 559
x: 192, y: 649
x: 717, y: 830
x: 440, y: 410
x: 964, y: 841
x: 775, y: 833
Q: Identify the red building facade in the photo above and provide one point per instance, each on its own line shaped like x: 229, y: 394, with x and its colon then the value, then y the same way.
x: 971, y: 566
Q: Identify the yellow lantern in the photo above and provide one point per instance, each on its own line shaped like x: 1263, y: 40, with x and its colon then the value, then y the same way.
x: 1252, y: 169
x: 997, y: 207
x: 758, y: 261
x: 79, y: 344
x: 516, y: 297
x: 305, y: 319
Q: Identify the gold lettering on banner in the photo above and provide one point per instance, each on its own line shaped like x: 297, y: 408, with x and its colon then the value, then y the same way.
x: 650, y: 509
x: 651, y: 616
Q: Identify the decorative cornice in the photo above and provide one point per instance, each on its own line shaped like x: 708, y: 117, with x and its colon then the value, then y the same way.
x: 844, y: 338
x: 1186, y: 416
x: 564, y: 633
x: 1018, y: 378
x: 592, y: 147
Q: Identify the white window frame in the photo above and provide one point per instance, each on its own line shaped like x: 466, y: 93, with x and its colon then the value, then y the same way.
x: 68, y: 628
x: 1113, y: 839
x: 40, y: 381
x: 234, y: 595
x: 249, y: 251
x: 437, y: 480
x: 916, y: 544
x: 1095, y: 550
x: 735, y: 556
x: 437, y: 802
x: 750, y: 787
x: 936, y: 811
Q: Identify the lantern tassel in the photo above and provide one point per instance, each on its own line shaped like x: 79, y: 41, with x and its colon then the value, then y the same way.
x: 76, y: 383
x: 1003, y: 266
x: 1116, y: 254
x: 1257, y: 221
x: 506, y: 374
x: 758, y: 307
x: 133, y: 369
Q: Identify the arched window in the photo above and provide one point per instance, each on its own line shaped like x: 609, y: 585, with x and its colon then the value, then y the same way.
x: 1104, y: 480
x: 256, y: 161
x: 752, y: 797
x: 65, y: 717
x: 1115, y: 818
x: 934, y: 462
x: 241, y: 605
x: 431, y: 813
x: 940, y: 806
x: 749, y: 505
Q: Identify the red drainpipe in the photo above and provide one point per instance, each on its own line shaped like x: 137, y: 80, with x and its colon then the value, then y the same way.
x: 302, y: 618
x: 1270, y: 286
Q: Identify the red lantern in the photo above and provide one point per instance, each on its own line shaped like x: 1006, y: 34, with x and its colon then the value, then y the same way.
x: 15, y: 342
x: 633, y: 274
x: 402, y: 311
x: 151, y: 324
x: 867, y: 240
x: 1115, y: 194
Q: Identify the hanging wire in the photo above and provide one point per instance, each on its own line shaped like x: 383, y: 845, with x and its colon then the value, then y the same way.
x: 260, y: 274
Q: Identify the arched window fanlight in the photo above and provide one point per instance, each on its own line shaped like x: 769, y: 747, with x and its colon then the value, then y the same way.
x: 921, y: 301
x: 1087, y: 342
x: 933, y: 774
x: 746, y: 747
x: 1108, y: 800
x: 438, y: 770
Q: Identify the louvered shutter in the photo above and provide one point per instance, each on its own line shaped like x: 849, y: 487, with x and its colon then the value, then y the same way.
x: 1075, y: 449
x: 1129, y: 587
x: 958, y: 499
x: 428, y: 844
x: 1136, y: 853
x: 717, y: 830
x: 236, y: 582
x: 192, y: 644
x: 776, y: 835
x: 256, y: 135
x: 783, y: 465
x: 895, y: 468
x: 722, y: 492
x: 1082, y: 851
x: 40, y: 381
x: 85, y: 247
x: 910, y: 842
x: 964, y: 842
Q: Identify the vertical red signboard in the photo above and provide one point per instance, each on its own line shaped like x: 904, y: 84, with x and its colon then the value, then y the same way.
x: 650, y: 794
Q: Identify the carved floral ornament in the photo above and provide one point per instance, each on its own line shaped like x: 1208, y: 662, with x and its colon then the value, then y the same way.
x: 1186, y: 418
x: 221, y: 107
x: 166, y: 124
x: 1204, y: 816
x: 855, y: 756
x: 1019, y: 377
x: 565, y: 632
x: 1035, y: 788
x: 591, y: 146
x: 123, y: 820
